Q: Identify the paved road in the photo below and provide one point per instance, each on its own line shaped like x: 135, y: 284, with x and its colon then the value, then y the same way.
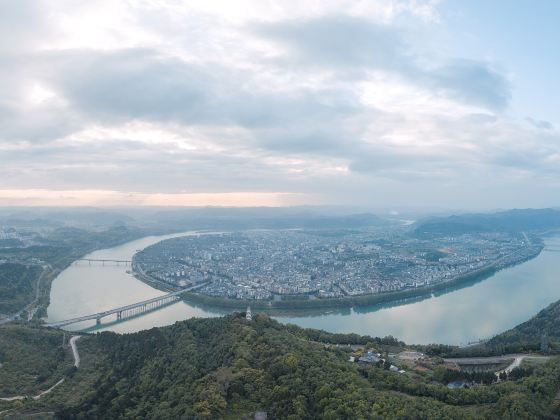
x: 98, y: 315
x: 30, y: 305
x: 480, y: 360
x: 47, y: 391
x: 75, y: 350
x: 517, y: 359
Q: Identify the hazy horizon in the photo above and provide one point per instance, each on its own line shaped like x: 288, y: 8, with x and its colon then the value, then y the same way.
x: 401, y: 104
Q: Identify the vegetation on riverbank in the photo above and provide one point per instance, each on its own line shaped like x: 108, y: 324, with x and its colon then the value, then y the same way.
x: 31, y: 358
x: 229, y: 367
x: 542, y: 332
x: 57, y: 251
x: 17, y: 285
x: 312, y: 302
x: 539, y: 334
x: 388, y: 298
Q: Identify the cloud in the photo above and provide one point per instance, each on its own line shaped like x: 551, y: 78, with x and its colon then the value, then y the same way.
x: 122, y: 85
x: 541, y: 124
x: 356, y: 45
x: 22, y: 23
x: 339, y: 41
x: 473, y: 82
x: 334, y: 101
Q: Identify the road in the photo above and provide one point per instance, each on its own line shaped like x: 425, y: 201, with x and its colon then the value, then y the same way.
x: 75, y: 350
x: 48, y: 391
x: 99, y: 315
x: 491, y: 360
x: 517, y: 361
x: 29, y: 306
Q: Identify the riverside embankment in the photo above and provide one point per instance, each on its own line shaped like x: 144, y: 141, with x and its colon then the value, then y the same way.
x: 454, y: 315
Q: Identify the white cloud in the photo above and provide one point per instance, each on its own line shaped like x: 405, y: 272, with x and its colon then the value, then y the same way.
x: 327, y: 100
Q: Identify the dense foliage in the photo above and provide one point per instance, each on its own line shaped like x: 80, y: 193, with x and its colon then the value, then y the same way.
x: 56, y: 250
x: 540, y: 332
x: 17, y: 285
x: 230, y: 368
x: 516, y: 220
x: 31, y: 359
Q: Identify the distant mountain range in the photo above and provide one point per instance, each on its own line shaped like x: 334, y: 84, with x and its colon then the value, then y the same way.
x: 161, y: 219
x: 264, y: 218
x: 516, y: 220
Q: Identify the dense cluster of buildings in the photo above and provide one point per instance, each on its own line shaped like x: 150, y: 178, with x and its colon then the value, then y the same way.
x: 324, y: 264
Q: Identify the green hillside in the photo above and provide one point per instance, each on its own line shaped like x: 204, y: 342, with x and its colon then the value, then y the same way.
x: 231, y: 368
x: 543, y: 330
x: 516, y: 220
x: 17, y: 286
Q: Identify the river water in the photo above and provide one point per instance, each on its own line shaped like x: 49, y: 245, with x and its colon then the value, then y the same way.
x: 474, y: 312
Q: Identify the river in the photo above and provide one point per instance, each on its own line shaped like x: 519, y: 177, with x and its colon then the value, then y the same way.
x: 475, y: 312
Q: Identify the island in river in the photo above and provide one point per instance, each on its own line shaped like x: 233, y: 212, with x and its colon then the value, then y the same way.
x: 289, y: 270
x: 475, y: 310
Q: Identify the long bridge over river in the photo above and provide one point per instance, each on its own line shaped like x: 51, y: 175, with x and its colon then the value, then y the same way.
x: 103, y: 261
x: 116, y: 261
x: 127, y: 311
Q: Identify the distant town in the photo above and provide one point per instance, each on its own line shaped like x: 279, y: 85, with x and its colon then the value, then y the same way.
x: 318, y: 264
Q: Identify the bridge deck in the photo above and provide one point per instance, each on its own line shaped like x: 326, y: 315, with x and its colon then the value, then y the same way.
x: 120, y: 309
x: 120, y: 261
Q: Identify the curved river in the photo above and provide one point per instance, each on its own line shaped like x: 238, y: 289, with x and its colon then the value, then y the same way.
x: 474, y: 312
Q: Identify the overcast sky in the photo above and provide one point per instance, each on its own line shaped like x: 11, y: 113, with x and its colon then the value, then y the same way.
x: 379, y: 103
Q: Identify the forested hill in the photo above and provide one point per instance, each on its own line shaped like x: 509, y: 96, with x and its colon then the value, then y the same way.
x: 543, y: 330
x: 539, y: 334
x: 516, y: 220
x: 231, y: 368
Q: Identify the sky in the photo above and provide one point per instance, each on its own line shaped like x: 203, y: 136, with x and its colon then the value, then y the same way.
x: 378, y: 104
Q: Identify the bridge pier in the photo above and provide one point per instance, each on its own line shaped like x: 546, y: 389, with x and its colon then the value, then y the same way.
x: 125, y: 311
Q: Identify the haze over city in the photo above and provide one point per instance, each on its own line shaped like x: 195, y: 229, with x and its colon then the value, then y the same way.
x: 441, y: 104
x: 279, y: 209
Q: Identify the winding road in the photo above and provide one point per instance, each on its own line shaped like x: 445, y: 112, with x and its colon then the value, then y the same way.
x: 31, y: 306
x: 75, y: 350
x: 76, y: 356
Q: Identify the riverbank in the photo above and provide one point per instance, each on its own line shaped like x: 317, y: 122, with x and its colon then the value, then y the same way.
x: 59, y: 256
x: 290, y: 305
x: 297, y: 303
x: 451, y: 313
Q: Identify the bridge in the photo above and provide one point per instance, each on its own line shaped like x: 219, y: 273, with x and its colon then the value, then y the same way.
x: 127, y: 311
x: 125, y: 262
x: 90, y: 260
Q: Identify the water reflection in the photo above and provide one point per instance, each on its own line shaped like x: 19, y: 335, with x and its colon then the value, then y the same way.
x: 478, y: 309
x: 84, y: 289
